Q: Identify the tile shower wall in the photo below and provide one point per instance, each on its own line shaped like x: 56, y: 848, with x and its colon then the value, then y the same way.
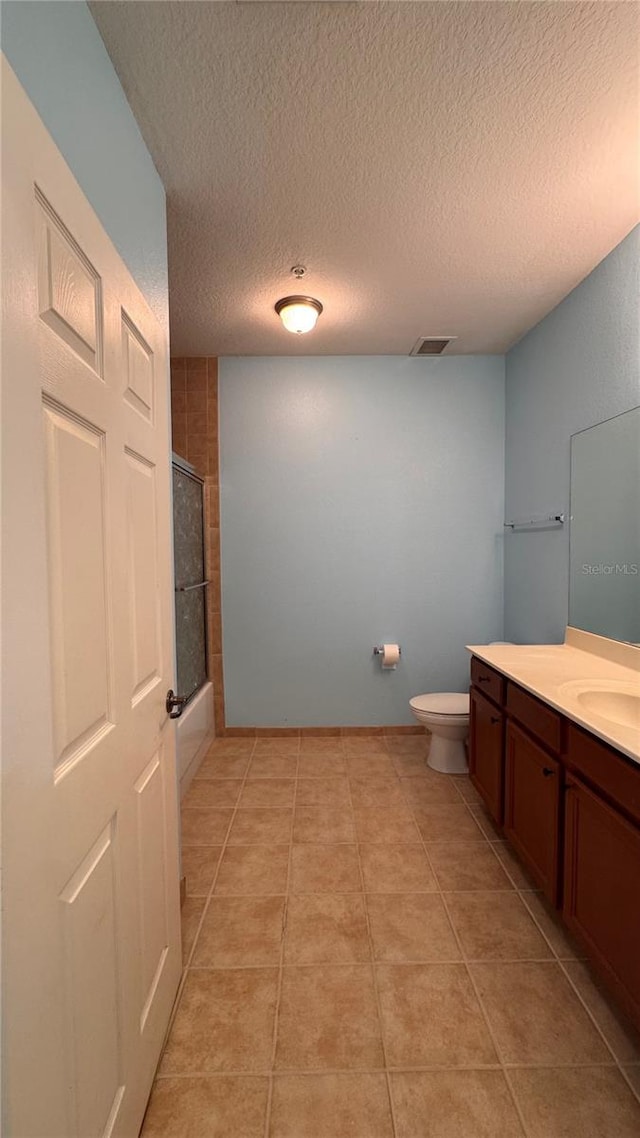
x: 362, y: 501
x: 194, y: 417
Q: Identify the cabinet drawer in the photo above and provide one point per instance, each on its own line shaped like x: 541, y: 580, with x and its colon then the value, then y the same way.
x: 487, y: 680
x: 617, y: 778
x: 541, y: 720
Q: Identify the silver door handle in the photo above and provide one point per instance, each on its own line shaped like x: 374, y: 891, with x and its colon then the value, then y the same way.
x: 175, y: 704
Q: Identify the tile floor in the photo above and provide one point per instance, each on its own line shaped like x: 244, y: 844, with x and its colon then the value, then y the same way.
x: 365, y: 957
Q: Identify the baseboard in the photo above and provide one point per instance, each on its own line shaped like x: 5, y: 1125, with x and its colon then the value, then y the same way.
x: 316, y: 732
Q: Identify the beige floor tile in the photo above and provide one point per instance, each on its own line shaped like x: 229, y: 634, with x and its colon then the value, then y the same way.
x: 431, y: 1017
x: 230, y: 748
x: 207, y: 1108
x: 262, y: 826
x: 427, y: 791
x: 241, y: 931
x: 267, y: 792
x: 447, y: 823
x: 323, y: 824
x: 364, y: 745
x: 322, y: 791
x: 324, y: 764
x: 467, y: 790
x: 280, y: 745
x: 375, y: 765
x: 253, y: 870
x: 619, y: 1033
x: 633, y: 1075
x: 324, y: 869
x: 549, y: 921
x: 513, y: 866
x: 467, y: 865
x: 410, y: 765
x: 486, y: 823
x: 199, y: 864
x: 331, y: 1106
x: 375, y: 790
x: 190, y: 915
x: 410, y: 927
x: 224, y: 766
x: 204, y: 827
x: 411, y: 746
x: 536, y: 1016
x: 224, y: 1022
x: 393, y: 824
x: 591, y: 1102
x: 325, y: 929
x: 273, y: 766
x: 496, y: 926
x: 328, y: 1019
x: 329, y: 745
x: 454, y: 1104
x: 212, y: 793
x: 396, y: 869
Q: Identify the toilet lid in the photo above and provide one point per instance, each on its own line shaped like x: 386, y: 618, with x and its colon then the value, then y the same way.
x: 442, y: 702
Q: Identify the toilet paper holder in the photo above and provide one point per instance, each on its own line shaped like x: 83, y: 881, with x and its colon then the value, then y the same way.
x: 379, y: 650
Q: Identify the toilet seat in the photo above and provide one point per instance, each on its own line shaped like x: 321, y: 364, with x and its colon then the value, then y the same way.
x: 448, y: 704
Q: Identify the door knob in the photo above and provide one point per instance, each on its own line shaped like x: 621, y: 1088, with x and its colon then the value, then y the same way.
x: 175, y: 704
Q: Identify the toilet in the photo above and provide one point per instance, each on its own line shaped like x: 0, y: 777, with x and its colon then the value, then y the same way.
x: 446, y: 715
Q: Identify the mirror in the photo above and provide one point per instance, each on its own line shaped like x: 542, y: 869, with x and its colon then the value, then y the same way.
x: 604, y: 566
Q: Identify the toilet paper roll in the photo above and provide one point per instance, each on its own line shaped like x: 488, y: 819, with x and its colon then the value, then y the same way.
x: 390, y: 655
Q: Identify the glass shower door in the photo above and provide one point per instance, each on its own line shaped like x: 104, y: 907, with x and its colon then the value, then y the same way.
x: 191, y: 610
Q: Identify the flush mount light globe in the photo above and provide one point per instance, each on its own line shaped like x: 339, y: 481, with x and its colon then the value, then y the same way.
x: 298, y: 313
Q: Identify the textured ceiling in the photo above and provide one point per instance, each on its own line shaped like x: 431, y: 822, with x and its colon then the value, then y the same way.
x: 440, y: 168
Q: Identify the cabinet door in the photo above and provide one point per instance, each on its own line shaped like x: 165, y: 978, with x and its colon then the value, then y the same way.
x: 532, y: 807
x: 602, y: 890
x: 486, y: 763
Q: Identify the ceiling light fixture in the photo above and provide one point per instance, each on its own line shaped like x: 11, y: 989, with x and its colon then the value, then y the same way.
x: 298, y: 313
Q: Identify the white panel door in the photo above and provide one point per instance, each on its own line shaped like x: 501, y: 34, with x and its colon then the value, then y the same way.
x: 91, y: 942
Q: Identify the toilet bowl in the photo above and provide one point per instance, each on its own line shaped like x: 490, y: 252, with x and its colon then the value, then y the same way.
x: 446, y: 716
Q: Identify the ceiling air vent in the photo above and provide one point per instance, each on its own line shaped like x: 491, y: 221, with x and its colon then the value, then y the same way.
x: 431, y: 345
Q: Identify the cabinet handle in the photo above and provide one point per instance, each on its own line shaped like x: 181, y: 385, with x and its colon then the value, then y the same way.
x: 547, y: 772
x: 494, y: 719
x: 484, y: 679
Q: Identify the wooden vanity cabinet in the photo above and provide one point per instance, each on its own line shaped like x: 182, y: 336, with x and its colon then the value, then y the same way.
x: 486, y: 760
x: 569, y: 805
x: 601, y: 903
x: 486, y: 737
x: 602, y: 890
x: 533, y: 791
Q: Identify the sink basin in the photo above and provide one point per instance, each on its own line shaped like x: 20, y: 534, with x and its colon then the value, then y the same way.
x: 617, y: 702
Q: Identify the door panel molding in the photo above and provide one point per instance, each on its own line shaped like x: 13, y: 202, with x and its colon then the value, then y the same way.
x: 91, y: 913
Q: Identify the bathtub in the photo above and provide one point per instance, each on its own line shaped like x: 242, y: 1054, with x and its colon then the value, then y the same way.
x: 194, y: 732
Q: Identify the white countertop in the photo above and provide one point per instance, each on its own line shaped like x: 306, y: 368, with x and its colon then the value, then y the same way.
x: 555, y: 673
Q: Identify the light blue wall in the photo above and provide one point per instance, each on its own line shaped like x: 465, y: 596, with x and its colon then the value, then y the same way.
x: 580, y: 365
x: 362, y: 502
x: 58, y: 55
